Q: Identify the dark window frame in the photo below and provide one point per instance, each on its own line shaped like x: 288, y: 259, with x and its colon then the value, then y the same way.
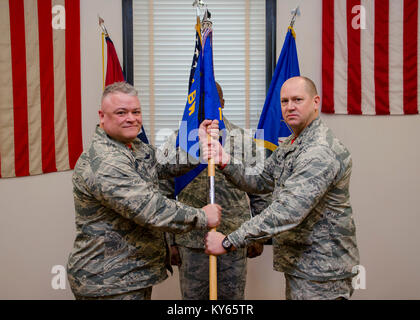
x: 270, y: 40
x: 127, y: 24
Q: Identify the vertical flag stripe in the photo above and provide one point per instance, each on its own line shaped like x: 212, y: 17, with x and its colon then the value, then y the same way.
x: 60, y: 105
x: 328, y: 56
x: 340, y: 57
x: 73, y: 81
x: 46, y: 65
x: 375, y: 57
x: 382, y: 57
x: 354, y: 97
x: 418, y: 57
x: 367, y: 49
x: 396, y: 59
x: 7, y: 150
x: 410, y: 56
x: 20, y: 106
x: 34, y: 98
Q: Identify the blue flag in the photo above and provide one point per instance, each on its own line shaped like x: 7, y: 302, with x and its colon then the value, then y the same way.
x: 271, y: 120
x: 212, y: 105
x: 142, y: 136
x: 202, y: 103
x: 187, y: 137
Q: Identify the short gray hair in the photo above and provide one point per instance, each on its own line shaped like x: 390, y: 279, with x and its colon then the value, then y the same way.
x: 122, y: 87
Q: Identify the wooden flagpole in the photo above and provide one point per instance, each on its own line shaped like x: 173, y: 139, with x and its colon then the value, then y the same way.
x: 211, y: 174
x: 104, y: 34
x: 212, y: 258
x: 103, y: 61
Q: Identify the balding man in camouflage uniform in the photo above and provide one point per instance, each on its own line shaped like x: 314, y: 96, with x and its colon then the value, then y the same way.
x: 311, y: 215
x: 120, y: 250
x: 188, y: 248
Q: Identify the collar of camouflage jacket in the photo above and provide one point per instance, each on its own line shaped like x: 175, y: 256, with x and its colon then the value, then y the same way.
x: 136, y: 144
x: 304, y: 134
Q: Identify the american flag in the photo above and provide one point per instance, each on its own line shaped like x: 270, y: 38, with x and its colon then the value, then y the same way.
x: 370, y: 57
x: 40, y: 86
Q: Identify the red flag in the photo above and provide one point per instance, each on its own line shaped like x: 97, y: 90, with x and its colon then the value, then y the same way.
x: 370, y: 57
x: 114, y: 72
x: 40, y: 87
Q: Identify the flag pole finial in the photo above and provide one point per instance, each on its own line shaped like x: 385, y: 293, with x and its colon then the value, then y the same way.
x: 102, y: 25
x: 295, y: 12
x: 198, y: 3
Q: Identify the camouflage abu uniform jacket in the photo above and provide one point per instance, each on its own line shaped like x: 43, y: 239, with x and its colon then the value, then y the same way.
x: 121, y: 218
x: 235, y: 203
x: 311, y: 212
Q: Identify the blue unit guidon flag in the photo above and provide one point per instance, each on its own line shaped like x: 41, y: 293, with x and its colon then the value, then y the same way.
x: 202, y: 103
x: 272, y: 127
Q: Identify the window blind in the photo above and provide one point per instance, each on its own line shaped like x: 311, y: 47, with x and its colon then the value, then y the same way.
x: 163, y: 45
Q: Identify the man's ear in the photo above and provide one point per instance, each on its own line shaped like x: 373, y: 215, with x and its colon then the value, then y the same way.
x: 317, y: 102
x: 101, y: 117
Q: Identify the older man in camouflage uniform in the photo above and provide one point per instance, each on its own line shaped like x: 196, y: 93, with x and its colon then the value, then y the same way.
x: 120, y: 250
x: 188, y: 248
x: 311, y: 215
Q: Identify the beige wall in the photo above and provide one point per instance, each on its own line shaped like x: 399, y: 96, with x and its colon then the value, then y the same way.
x: 37, y: 215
